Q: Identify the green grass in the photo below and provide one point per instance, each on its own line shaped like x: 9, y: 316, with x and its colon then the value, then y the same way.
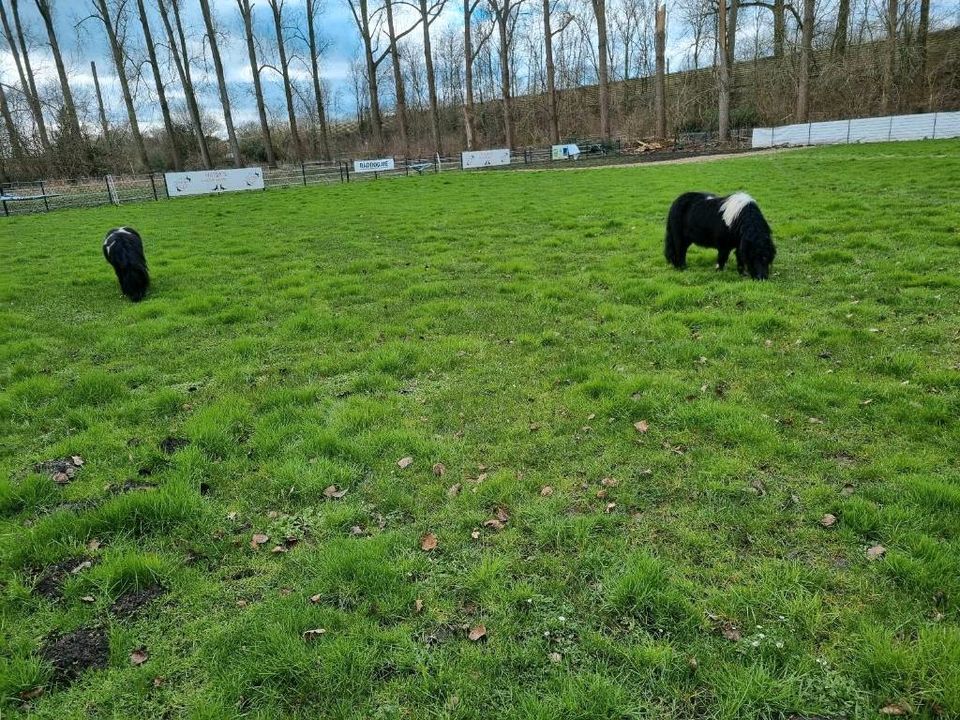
x: 514, y: 327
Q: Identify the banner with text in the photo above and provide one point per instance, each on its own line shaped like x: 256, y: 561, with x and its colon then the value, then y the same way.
x: 484, y: 158
x: 380, y: 165
x: 206, y: 182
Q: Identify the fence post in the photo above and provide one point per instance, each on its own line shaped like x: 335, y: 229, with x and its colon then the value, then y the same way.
x: 848, y: 131
x: 43, y: 192
x: 809, y: 132
x: 153, y: 184
x: 303, y: 173
x: 934, y: 136
x: 890, y: 130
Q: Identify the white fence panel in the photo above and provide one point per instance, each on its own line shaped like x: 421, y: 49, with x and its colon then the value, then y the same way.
x: 870, y: 130
x: 791, y: 134
x: 912, y: 127
x: 829, y: 133
x: 948, y: 125
x: 762, y: 138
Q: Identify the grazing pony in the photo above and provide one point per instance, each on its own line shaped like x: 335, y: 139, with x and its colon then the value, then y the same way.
x: 725, y: 223
x: 123, y: 249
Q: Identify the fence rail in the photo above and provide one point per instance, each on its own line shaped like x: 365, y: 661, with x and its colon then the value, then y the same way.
x: 926, y: 126
x: 23, y: 198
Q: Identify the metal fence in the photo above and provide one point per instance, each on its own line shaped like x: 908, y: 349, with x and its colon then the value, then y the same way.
x: 23, y: 198
x: 926, y: 126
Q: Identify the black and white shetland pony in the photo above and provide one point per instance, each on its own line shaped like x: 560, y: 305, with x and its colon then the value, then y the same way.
x: 725, y: 223
x: 123, y: 249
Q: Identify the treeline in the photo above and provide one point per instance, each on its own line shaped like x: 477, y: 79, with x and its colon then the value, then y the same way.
x: 431, y: 76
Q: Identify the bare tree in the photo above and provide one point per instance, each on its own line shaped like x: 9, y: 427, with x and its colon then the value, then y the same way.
x: 104, y: 125
x: 401, y: 111
x: 221, y: 82
x: 840, y: 35
x: 178, y: 50
x: 600, y: 13
x: 158, y: 81
x: 18, y: 46
x: 505, y: 13
x: 102, y: 12
x: 312, y: 7
x: 923, y: 30
x: 470, y: 53
x: 806, y: 51
x: 723, y: 73
x: 428, y: 14
x: 46, y: 12
x: 246, y: 13
x: 276, y: 6
x: 890, y: 58
x: 549, y: 33
x: 660, y: 84
x: 13, y: 134
x: 368, y: 27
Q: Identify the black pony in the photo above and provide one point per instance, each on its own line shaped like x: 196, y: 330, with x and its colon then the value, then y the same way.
x: 123, y: 249
x: 725, y: 223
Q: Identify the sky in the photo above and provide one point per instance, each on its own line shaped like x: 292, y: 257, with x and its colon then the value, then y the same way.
x: 82, y: 39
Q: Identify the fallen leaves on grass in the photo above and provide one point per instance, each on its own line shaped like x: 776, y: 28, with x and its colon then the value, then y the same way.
x: 610, y: 507
x: 139, y: 656
x: 828, y: 520
x: 93, y: 545
x: 81, y: 567
x: 477, y: 632
x: 475, y: 534
x: 404, y: 462
x: 314, y: 634
x: 418, y: 606
x: 454, y: 490
x: 555, y: 657
x: 730, y: 632
x: 876, y: 552
x: 546, y: 491
x: 278, y: 549
x: 493, y: 524
x: 428, y: 542
x: 33, y: 694
x: 316, y: 598
x: 894, y: 709
x: 258, y: 539
x: 439, y: 469
x: 848, y: 490
x: 333, y: 492
x: 642, y: 426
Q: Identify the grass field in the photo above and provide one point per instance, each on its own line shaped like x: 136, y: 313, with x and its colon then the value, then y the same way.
x: 515, y: 328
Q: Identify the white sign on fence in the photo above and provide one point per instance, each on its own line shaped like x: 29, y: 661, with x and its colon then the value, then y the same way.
x: 206, y: 182
x: 380, y: 165
x: 879, y: 129
x: 570, y: 151
x: 484, y: 158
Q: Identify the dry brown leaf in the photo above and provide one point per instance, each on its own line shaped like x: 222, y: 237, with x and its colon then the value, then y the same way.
x: 534, y: 426
x: 232, y: 516
x: 418, y: 606
x: 692, y: 663
x: 828, y: 520
x: 334, y: 492
x: 285, y: 592
x: 277, y: 549
x: 493, y: 524
x: 480, y: 478
x: 768, y: 343
x: 139, y: 656
x: 356, y: 531
x: 273, y: 514
x: 815, y: 421
x: 477, y: 632
x: 642, y: 426
x: 601, y: 494
x: 28, y: 695
x: 241, y: 603
x: 555, y: 657
x: 454, y: 490
x: 88, y: 599
x: 609, y: 482
x: 81, y: 567
x: 258, y: 539
x: 404, y: 462
x: 316, y: 598
x: 546, y: 491
x: 894, y: 709
x: 77, y: 460
x: 158, y: 681
x: 611, y: 506
x: 439, y: 469
x: 875, y: 552
x: 475, y: 534
x: 61, y: 478
x: 93, y: 545
x: 428, y: 542
x: 312, y: 635
x: 502, y: 515
x: 591, y: 416
x: 730, y: 632
x: 848, y: 490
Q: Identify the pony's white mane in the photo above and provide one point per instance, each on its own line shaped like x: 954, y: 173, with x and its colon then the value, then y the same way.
x: 733, y: 206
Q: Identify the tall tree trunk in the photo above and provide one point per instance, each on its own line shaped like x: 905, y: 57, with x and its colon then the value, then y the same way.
x: 221, y: 82
x: 361, y: 14
x: 277, y: 7
x: 18, y: 46
x: 922, y: 32
x: 890, y: 61
x: 104, y: 125
x: 468, y: 7
x: 104, y: 14
x: 397, y: 80
x: 806, y: 51
x: 551, y: 75
x: 182, y: 61
x: 660, y: 87
x: 315, y: 72
x: 502, y: 13
x: 13, y: 134
x: 732, y: 13
x: 600, y: 13
x: 840, y: 36
x: 161, y: 91
x: 70, y: 109
x: 780, y: 26
x: 723, y: 74
x: 246, y: 14
x: 431, y: 76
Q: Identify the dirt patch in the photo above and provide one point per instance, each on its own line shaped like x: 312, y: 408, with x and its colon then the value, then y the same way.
x: 49, y: 582
x: 131, y: 603
x: 72, y: 653
x: 170, y: 444
x: 60, y: 470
